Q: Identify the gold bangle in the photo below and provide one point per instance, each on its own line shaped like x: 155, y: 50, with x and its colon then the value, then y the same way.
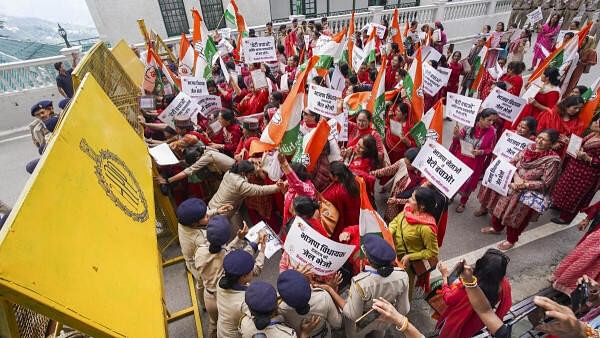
x: 590, y: 332
x: 472, y: 284
x: 404, y: 325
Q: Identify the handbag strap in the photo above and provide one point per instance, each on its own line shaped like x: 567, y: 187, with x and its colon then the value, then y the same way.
x: 402, y: 234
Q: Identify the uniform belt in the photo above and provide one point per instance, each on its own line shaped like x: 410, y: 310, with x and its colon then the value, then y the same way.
x: 322, y: 333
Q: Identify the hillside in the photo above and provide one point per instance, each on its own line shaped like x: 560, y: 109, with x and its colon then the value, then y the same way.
x: 39, y: 30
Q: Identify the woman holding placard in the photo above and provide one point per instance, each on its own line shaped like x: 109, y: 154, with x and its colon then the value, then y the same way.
x: 579, y: 180
x: 397, y: 131
x: 564, y: 118
x: 537, y: 170
x: 472, y: 145
x: 546, y: 98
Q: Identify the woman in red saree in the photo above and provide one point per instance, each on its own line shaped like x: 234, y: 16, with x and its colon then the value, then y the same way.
x: 228, y: 138
x: 565, y: 119
x: 365, y: 160
x: 537, y: 170
x: 478, y: 143
x: 513, y: 78
x: 361, y: 128
x: 546, y: 98
x: 398, y: 119
x: 460, y: 320
x: 583, y: 259
x: 580, y: 178
x: 456, y: 70
x: 344, y: 194
x: 254, y: 102
x: 488, y: 197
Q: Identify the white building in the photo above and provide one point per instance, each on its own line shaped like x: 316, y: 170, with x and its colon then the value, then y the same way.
x: 116, y: 19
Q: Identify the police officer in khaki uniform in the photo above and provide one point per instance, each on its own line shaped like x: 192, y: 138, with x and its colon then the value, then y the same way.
x: 378, y: 279
x: 239, y: 268
x: 209, y: 261
x: 262, y: 319
x: 572, y: 8
x: 300, y: 302
x: 526, y: 8
x: 559, y: 8
x: 546, y: 9
x: 211, y: 159
x: 514, y: 14
x: 591, y: 6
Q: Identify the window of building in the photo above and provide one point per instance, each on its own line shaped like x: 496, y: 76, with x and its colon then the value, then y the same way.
x: 174, y: 17
x: 212, y: 14
x: 306, y: 7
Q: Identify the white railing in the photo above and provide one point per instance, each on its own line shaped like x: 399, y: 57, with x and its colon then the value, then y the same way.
x: 39, y: 73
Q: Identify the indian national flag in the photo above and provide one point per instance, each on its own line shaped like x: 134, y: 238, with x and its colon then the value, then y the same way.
x: 204, y: 46
x: 431, y: 126
x: 562, y: 54
x: 413, y: 84
x: 376, y: 103
x: 369, y: 221
x: 395, y: 32
x: 312, y: 145
x: 328, y: 52
x: 592, y: 96
x: 358, y: 101
x: 478, y: 67
x: 186, y: 57
x: 284, y: 127
x: 157, y: 61
x: 347, y: 55
x: 236, y: 19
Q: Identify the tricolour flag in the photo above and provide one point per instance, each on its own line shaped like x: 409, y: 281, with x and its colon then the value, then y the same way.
x: 347, y: 55
x: 479, y: 67
x: 369, y: 221
x: 592, y: 96
x: 413, y: 84
x: 395, y: 32
x: 284, y: 127
x: 355, y: 102
x: 312, y: 145
x: 186, y: 57
x: 157, y: 61
x: 376, y: 103
x: 204, y: 46
x: 236, y: 19
x: 431, y: 126
x: 561, y: 54
x: 329, y: 51
x: 406, y: 29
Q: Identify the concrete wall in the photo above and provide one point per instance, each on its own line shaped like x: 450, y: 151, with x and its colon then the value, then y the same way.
x: 257, y: 12
x: 15, y: 108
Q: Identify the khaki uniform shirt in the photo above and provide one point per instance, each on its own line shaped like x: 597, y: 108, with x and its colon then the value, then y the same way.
x: 367, y: 286
x: 559, y: 5
x: 190, y: 238
x: 234, y: 188
x: 591, y: 5
x: 321, y: 305
x: 214, y: 160
x: 276, y: 330
x: 574, y: 4
x: 547, y: 4
x: 516, y: 4
x: 230, y: 304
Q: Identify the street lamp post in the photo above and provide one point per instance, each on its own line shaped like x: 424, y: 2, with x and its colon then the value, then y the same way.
x: 63, y: 34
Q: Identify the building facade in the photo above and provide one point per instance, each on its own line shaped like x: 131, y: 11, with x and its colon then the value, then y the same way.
x: 117, y: 19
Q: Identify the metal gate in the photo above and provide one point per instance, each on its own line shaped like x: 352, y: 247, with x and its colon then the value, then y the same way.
x: 212, y: 13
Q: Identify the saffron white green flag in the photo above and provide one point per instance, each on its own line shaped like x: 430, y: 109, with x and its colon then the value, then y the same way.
x: 376, y: 103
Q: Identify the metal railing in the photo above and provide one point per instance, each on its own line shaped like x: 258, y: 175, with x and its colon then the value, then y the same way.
x: 31, y: 74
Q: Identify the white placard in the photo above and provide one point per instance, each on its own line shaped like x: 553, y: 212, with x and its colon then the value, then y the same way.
x: 507, y: 105
x: 396, y: 128
x: 380, y: 30
x: 535, y: 16
x: 561, y: 36
x: 433, y: 80
x: 305, y: 245
x: 462, y: 109
x: 147, y: 102
x: 270, y: 164
x: 259, y: 79
x: 342, y: 120
x: 225, y: 33
x: 430, y: 53
x: 322, y: 41
x: 338, y: 82
x: 441, y: 168
x: 273, y: 243
x: 496, y: 72
x: 498, y: 176
x: 322, y: 100
x: 283, y: 83
x: 531, y: 92
x: 215, y: 126
x: 181, y: 106
x: 466, y: 149
x: 574, y: 145
x: 510, y: 144
x: 163, y: 155
x: 259, y: 49
x: 209, y: 103
x: 358, y: 56
x: 194, y: 86
x: 306, y: 41
x: 224, y: 47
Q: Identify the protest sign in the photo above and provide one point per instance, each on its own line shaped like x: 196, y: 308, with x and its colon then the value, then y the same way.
x: 358, y: 56
x: 209, y: 104
x: 225, y: 33
x: 396, y: 128
x: 307, y: 41
x: 498, y: 176
x: 535, y: 16
x: 181, y: 106
x: 283, y: 83
x: 323, y: 101
x: 531, y: 92
x: 379, y: 30
x: 430, y: 54
x: 441, y: 168
x: 147, y: 102
x: 305, y: 245
x: 433, y: 80
x: 341, y: 122
x: 496, y: 72
x: 510, y: 144
x: 259, y: 79
x: 163, y: 155
x: 506, y: 104
x: 462, y: 109
x: 574, y: 145
x: 259, y: 49
x: 561, y: 36
x: 194, y: 86
x: 466, y: 149
x: 338, y: 82
x: 273, y: 243
x: 322, y: 41
x: 224, y: 47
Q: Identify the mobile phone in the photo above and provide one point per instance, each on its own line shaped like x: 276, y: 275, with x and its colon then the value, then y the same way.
x: 537, y: 316
x: 460, y: 267
x: 366, y: 319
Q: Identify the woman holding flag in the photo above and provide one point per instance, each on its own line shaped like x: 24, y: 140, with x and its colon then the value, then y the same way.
x: 546, y: 39
x: 397, y: 130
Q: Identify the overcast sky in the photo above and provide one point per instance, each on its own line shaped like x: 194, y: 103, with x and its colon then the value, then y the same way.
x: 69, y: 11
